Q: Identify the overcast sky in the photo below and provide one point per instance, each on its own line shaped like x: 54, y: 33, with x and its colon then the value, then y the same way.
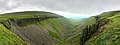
x: 62, y: 7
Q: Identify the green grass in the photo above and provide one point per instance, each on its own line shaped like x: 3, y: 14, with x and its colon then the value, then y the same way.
x: 111, y: 33
x: 27, y: 14
x: 58, y: 28
x: 9, y: 38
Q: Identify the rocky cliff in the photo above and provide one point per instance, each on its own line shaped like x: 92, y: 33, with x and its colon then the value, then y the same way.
x: 34, y: 28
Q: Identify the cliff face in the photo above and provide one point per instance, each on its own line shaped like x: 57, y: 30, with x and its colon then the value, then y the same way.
x: 91, y: 30
x: 100, y: 32
x: 109, y: 33
x: 37, y: 28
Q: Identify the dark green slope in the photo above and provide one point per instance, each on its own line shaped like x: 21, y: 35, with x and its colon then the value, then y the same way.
x: 99, y: 30
x: 35, y: 28
x: 107, y: 34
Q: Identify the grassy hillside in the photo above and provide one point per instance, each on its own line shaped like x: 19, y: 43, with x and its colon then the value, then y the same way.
x: 45, y: 28
x: 9, y: 38
x: 35, y: 28
x: 109, y: 33
x: 99, y: 30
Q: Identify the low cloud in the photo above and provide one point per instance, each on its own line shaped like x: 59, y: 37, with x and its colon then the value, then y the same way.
x: 63, y: 7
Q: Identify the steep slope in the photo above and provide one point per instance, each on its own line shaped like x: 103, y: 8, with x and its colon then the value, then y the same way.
x: 78, y: 30
x: 109, y: 33
x: 101, y: 30
x: 37, y: 27
x: 9, y: 38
